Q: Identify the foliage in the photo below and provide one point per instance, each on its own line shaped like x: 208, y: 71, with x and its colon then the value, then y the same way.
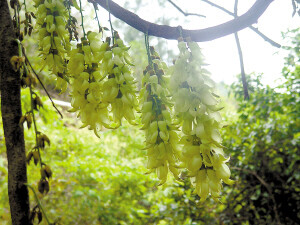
x: 265, y: 147
x: 101, y: 181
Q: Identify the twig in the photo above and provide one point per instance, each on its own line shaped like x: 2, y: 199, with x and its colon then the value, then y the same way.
x: 148, y: 49
x: 84, y: 34
x: 38, y: 202
x: 43, y: 86
x: 275, y: 44
x: 95, y: 8
x: 24, y: 3
x: 267, y: 186
x: 238, y: 45
x: 109, y: 19
x: 35, y: 127
x: 184, y: 13
x: 31, y: 103
x: 21, y: 52
x: 200, y: 35
x: 244, y: 81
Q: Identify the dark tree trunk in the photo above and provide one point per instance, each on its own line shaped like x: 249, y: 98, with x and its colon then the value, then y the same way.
x: 11, y: 113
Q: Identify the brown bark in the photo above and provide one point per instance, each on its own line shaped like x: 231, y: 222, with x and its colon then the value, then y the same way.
x: 201, y: 35
x: 11, y: 113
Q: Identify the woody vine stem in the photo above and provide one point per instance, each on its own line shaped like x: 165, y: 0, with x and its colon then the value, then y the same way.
x: 199, y: 35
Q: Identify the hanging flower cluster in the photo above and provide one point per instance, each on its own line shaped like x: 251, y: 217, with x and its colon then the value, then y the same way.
x: 53, y: 37
x: 102, y: 83
x: 161, y: 136
x: 196, y: 110
x: 119, y: 88
x: 87, y: 83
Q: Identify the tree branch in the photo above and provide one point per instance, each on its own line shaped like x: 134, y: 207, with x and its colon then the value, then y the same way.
x: 184, y: 13
x: 43, y: 86
x: 275, y: 44
x: 238, y: 45
x: 168, y: 32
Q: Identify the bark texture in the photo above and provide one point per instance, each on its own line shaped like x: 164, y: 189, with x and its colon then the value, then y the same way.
x: 11, y: 113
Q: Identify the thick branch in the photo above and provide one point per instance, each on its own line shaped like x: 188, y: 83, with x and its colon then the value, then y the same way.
x: 275, y: 44
x: 184, y: 13
x: 168, y: 32
x: 11, y: 113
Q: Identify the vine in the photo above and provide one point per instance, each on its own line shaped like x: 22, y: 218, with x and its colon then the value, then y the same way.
x: 29, y: 81
x: 84, y: 34
x: 96, y: 17
x: 35, y: 213
x: 168, y: 32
